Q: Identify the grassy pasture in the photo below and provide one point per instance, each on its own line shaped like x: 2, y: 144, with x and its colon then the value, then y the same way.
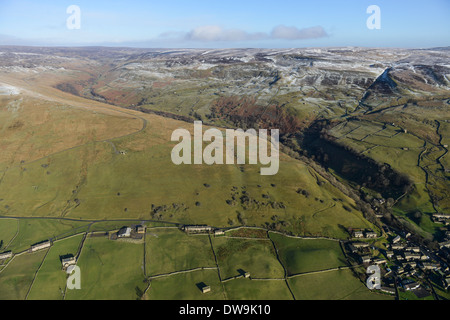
x: 334, y: 285
x: 8, y: 229
x: 257, y: 257
x: 300, y: 256
x: 110, y: 270
x: 95, y: 181
x: 36, y: 128
x: 50, y: 281
x: 245, y: 289
x: 169, y: 250
x: 187, y: 286
x: 32, y: 231
x: 17, y: 277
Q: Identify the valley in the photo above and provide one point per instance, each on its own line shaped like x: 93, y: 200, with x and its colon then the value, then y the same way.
x: 86, y: 140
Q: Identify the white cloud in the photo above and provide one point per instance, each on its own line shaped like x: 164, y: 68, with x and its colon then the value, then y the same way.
x: 214, y: 33
x: 293, y: 33
x: 217, y: 33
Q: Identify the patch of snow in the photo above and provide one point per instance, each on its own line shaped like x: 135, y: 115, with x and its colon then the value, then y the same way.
x: 8, y: 90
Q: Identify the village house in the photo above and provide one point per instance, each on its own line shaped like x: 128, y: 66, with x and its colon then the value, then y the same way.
x: 446, y: 282
x: 445, y: 244
x: 396, y: 239
x: 371, y: 234
x: 429, y: 266
x: 399, y: 257
x: 424, y: 258
x: 441, y: 216
x: 365, y: 259
x: 411, y: 264
x: 412, y: 256
x: 40, y: 246
x: 379, y: 261
x: 359, y: 245
x: 358, y: 234
x: 219, y: 232
x: 388, y: 290
x: 352, y: 248
x: 411, y: 286
x: 398, y: 246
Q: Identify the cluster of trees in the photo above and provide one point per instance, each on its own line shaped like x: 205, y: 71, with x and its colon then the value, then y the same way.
x: 245, y: 113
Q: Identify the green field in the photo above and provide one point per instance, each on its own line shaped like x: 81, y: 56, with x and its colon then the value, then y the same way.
x: 8, y: 229
x: 177, y: 265
x: 301, y: 256
x: 245, y: 289
x: 110, y: 270
x: 169, y: 250
x: 50, y: 283
x: 187, y: 286
x: 340, y: 285
x: 17, y: 277
x: 257, y: 257
x: 32, y: 231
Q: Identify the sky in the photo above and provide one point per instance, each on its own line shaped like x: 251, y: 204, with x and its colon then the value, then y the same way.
x: 225, y: 24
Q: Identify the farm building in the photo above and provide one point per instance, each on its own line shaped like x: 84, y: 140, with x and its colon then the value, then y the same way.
x: 6, y: 255
x: 140, y: 229
x: 124, y: 232
x: 66, y: 262
x: 41, y: 246
x: 198, y: 229
x: 206, y: 289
